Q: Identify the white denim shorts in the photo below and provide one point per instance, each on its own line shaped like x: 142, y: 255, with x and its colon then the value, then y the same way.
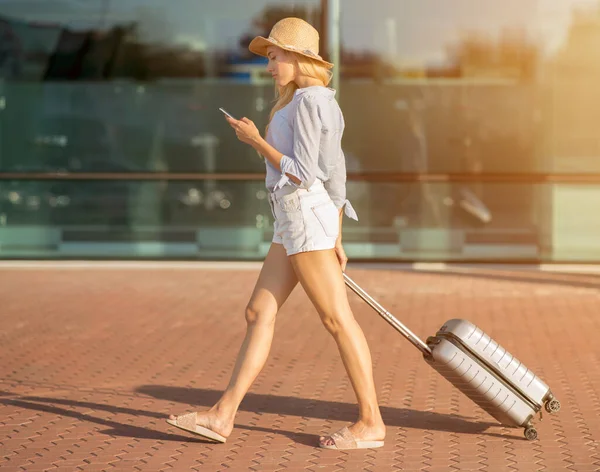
x: 305, y: 219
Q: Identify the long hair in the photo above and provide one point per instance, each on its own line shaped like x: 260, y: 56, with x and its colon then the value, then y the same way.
x: 308, y: 67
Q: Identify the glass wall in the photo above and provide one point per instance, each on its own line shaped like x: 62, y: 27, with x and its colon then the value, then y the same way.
x: 470, y: 127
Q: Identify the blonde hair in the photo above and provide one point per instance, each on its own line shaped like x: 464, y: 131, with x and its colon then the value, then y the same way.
x: 308, y: 67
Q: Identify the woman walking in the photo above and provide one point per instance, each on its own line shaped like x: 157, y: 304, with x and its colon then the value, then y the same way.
x: 306, y: 179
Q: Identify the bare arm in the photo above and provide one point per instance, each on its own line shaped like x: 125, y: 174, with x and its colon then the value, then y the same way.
x: 271, y: 154
x: 301, y: 165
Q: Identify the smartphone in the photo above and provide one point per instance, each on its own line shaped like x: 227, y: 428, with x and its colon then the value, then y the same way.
x: 228, y: 114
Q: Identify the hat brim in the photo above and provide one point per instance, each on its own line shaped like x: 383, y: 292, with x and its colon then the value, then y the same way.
x: 260, y: 44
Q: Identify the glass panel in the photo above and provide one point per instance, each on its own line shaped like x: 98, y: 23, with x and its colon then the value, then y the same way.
x: 426, y: 127
x: 134, y: 85
x: 472, y: 85
x: 232, y: 219
x: 134, y: 219
x: 114, y: 127
x: 444, y: 221
x: 426, y: 86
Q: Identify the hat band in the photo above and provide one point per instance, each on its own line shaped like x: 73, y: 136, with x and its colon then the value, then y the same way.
x: 294, y: 48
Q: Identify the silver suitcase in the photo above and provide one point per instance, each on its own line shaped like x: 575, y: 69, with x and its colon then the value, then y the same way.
x: 480, y: 368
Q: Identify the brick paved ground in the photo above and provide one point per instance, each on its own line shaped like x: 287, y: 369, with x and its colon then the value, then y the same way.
x: 93, y: 360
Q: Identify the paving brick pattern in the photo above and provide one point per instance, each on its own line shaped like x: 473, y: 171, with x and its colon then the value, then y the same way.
x: 93, y: 360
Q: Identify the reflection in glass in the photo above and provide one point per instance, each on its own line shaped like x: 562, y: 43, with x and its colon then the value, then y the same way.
x: 427, y: 86
x: 233, y: 219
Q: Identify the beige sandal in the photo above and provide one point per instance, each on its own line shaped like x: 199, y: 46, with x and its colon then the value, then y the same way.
x: 343, y: 439
x: 187, y: 422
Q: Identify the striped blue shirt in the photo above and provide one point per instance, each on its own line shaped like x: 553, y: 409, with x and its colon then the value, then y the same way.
x: 308, y: 132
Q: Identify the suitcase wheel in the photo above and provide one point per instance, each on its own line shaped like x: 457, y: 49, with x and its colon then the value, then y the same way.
x: 531, y: 434
x: 553, y: 406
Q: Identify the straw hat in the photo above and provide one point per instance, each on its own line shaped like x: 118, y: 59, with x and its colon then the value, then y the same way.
x: 291, y: 34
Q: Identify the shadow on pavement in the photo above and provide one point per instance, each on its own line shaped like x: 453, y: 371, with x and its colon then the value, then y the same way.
x: 256, y: 403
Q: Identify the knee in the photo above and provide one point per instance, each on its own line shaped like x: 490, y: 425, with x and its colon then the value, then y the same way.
x: 259, y: 315
x: 336, y: 321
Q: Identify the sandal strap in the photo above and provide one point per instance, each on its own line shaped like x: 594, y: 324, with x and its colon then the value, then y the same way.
x: 343, y: 439
x: 187, y: 421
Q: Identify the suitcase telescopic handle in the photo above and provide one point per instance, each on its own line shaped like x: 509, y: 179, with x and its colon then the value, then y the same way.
x: 387, y: 316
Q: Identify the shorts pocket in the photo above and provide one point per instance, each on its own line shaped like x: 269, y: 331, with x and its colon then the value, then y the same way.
x: 289, y: 203
x: 329, y: 217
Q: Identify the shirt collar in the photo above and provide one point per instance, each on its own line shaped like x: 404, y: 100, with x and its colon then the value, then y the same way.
x: 326, y: 91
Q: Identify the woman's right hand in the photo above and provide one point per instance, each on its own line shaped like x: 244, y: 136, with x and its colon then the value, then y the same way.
x: 245, y: 130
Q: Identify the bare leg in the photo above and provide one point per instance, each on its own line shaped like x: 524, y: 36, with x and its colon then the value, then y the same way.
x: 320, y: 274
x: 274, y: 285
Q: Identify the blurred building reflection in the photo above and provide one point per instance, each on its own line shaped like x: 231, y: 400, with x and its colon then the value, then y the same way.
x: 469, y: 133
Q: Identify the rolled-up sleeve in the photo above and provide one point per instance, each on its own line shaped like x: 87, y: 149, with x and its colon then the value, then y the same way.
x: 303, y: 164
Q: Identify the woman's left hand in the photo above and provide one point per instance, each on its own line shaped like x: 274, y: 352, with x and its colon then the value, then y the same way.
x: 245, y: 130
x: 341, y: 254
